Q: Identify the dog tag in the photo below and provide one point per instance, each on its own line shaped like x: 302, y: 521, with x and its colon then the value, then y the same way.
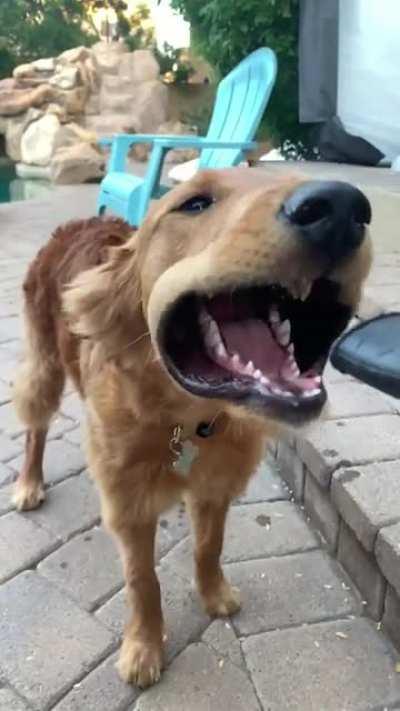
x: 188, y: 454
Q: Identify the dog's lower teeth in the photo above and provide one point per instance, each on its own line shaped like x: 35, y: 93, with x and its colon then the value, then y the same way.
x: 279, y: 391
x: 312, y: 393
x: 233, y: 362
x: 249, y: 369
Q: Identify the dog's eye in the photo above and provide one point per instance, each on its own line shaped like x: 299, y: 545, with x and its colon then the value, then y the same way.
x: 197, y: 203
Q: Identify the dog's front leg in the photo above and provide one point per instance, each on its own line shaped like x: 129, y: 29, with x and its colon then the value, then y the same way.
x: 141, y: 653
x: 208, y: 519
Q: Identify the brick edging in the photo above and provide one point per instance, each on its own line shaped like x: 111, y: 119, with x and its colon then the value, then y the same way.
x: 314, y: 488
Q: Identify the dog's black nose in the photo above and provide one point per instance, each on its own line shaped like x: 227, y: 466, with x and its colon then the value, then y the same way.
x: 330, y: 215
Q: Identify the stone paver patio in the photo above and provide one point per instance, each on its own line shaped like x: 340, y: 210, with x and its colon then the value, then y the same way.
x: 318, y: 611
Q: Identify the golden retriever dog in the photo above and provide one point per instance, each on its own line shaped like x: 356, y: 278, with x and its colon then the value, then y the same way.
x: 189, y: 340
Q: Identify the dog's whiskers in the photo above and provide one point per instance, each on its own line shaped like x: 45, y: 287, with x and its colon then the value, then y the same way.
x: 139, y: 338
x: 131, y: 343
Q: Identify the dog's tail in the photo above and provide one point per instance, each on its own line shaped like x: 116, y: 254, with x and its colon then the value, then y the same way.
x: 40, y: 379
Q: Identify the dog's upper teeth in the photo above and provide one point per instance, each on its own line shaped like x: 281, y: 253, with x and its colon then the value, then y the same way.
x: 264, y: 380
x: 305, y: 290
x: 283, y: 333
x: 235, y: 360
x: 257, y: 374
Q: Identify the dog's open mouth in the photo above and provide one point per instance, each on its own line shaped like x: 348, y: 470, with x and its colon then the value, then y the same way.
x: 259, y: 346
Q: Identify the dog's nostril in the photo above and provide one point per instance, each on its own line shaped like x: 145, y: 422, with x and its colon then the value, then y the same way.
x: 311, y: 211
x: 329, y: 215
x: 362, y: 211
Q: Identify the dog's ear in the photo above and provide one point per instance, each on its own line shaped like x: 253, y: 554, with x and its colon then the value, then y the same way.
x: 104, y: 303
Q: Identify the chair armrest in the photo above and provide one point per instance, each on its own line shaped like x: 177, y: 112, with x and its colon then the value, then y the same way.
x: 122, y: 142
x: 200, y: 143
x: 129, y: 139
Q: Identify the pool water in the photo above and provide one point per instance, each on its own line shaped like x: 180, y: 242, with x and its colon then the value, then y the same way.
x: 7, y: 174
x: 13, y: 188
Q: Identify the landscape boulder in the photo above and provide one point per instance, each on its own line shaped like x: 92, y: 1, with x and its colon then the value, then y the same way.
x: 77, y: 163
x: 38, y: 140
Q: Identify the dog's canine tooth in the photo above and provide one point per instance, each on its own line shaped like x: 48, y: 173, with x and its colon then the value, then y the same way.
x: 204, y: 317
x: 283, y: 333
x: 220, y: 351
x: 305, y: 290
x: 213, y: 331
x: 212, y: 336
x: 294, y: 290
x: 235, y: 360
x: 249, y: 369
x: 274, y: 315
x: 291, y: 361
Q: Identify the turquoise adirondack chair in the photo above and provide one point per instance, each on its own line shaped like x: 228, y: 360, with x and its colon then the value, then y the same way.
x: 239, y: 106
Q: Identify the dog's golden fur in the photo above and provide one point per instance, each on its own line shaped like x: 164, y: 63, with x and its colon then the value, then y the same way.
x: 101, y: 332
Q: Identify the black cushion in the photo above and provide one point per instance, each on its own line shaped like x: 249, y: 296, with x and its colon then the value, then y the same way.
x: 371, y: 353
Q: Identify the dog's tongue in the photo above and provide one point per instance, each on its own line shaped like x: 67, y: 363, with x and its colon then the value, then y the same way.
x: 253, y: 341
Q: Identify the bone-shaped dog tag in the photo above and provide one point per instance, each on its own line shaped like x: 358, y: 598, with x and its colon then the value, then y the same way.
x: 186, y: 458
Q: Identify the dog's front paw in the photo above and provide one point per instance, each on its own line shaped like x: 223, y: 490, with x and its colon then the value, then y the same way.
x: 222, y: 602
x: 28, y: 495
x: 140, y: 662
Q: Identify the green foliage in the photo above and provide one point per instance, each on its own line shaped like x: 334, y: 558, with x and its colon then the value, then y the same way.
x: 226, y: 31
x: 31, y: 29
x: 7, y: 62
x: 172, y: 64
x: 137, y: 32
